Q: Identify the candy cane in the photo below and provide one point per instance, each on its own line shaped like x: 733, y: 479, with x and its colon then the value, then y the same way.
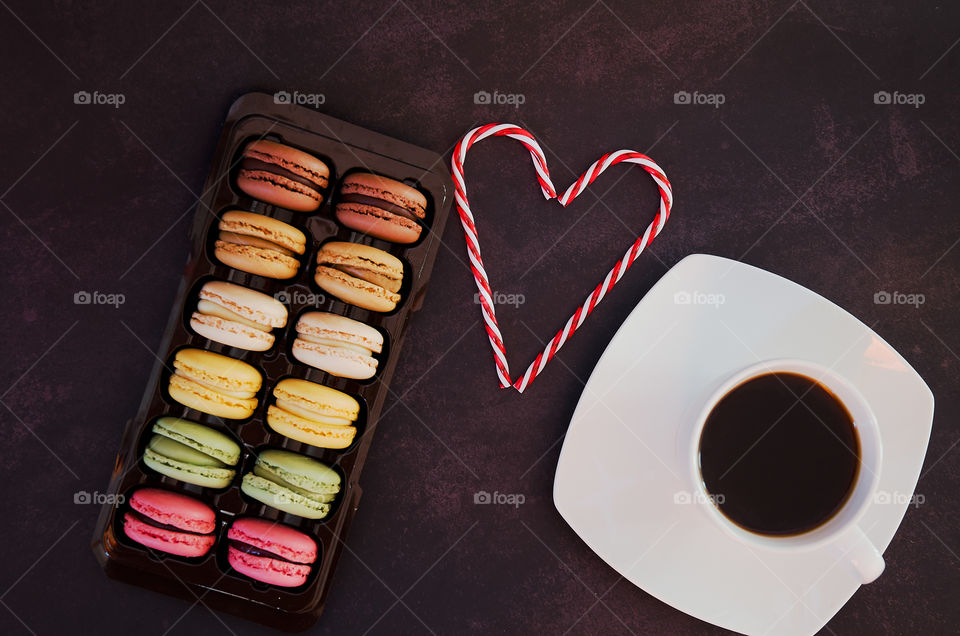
x: 549, y: 192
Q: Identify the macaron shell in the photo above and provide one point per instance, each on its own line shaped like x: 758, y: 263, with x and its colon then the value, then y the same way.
x: 264, y: 227
x: 337, y: 361
x: 281, y: 498
x: 200, y: 398
x: 250, y: 304
x: 204, y: 476
x: 236, y: 238
x: 180, y: 452
x: 323, y: 324
x: 309, y: 432
x: 224, y: 373
x: 174, y: 509
x: 230, y: 333
x: 178, y: 543
x: 199, y: 437
x: 255, y: 260
x: 300, y: 470
x: 378, y: 223
x: 274, y: 537
x: 278, y: 190
x: 355, y: 291
x: 267, y: 570
x: 316, y: 399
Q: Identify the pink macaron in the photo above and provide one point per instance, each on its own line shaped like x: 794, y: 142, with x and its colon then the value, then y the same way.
x: 170, y: 522
x: 270, y: 552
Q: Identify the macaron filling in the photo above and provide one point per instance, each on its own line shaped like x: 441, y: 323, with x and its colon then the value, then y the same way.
x: 208, y: 308
x: 253, y: 550
x: 337, y: 344
x: 369, y: 273
x: 362, y: 199
x: 235, y: 238
x: 252, y: 164
x: 323, y: 494
x: 213, y: 385
x: 258, y: 151
x: 180, y: 452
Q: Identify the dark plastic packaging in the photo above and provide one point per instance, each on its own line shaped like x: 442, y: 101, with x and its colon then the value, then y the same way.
x: 344, y: 148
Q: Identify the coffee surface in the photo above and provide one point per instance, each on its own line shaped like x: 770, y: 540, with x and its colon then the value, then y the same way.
x: 779, y: 454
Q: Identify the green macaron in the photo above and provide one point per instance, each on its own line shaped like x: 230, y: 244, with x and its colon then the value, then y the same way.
x: 192, y: 453
x: 293, y: 483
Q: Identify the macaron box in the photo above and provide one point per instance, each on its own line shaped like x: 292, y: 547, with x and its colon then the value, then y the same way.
x: 237, y: 479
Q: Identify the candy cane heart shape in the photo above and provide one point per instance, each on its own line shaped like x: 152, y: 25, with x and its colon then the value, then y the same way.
x: 549, y: 192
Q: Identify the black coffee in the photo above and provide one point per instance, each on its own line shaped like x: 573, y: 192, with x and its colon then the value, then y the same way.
x: 779, y: 454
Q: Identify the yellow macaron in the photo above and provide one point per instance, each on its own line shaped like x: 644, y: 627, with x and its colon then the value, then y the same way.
x: 213, y: 383
x: 313, y: 414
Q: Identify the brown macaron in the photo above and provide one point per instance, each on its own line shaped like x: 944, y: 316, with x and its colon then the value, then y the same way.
x: 360, y: 275
x: 282, y: 175
x: 381, y: 207
x: 259, y: 245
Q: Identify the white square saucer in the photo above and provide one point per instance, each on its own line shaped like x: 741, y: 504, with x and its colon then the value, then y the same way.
x: 620, y: 480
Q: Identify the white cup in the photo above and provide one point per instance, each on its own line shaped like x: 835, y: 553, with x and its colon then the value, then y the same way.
x: 841, y: 532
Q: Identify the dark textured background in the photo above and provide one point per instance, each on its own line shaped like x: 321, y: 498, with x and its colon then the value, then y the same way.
x: 94, y: 198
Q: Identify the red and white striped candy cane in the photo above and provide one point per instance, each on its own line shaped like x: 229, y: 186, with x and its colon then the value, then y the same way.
x: 549, y: 192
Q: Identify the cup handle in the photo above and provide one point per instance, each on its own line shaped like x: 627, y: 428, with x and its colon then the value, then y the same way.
x: 864, y: 558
